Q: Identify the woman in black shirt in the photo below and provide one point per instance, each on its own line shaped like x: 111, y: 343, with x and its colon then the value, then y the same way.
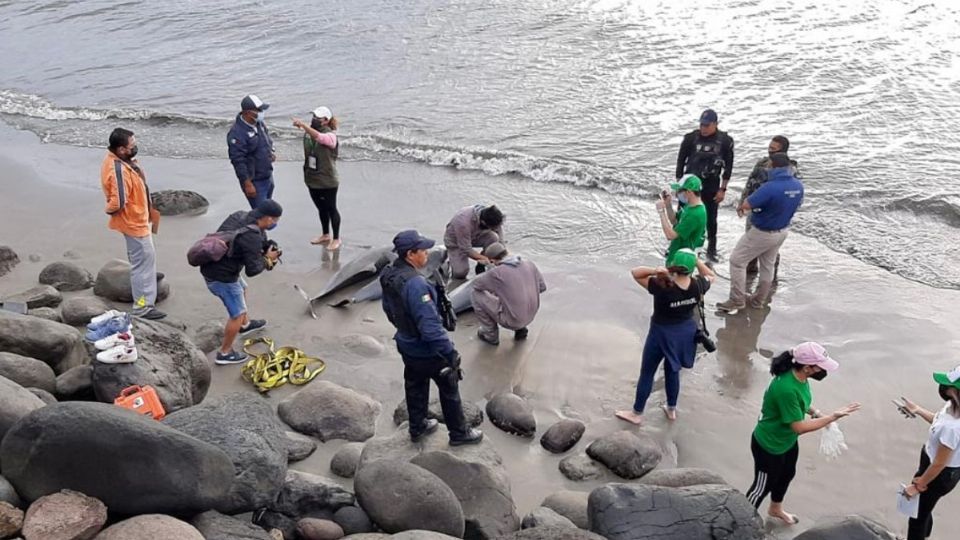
x: 676, y: 293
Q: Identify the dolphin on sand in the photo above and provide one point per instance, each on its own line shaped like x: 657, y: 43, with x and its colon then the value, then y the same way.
x: 436, y: 268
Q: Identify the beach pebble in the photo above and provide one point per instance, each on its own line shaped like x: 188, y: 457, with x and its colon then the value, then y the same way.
x: 150, y: 527
x: 629, y: 511
x: 166, y: 360
x: 562, y: 436
x: 363, y: 345
x: 571, y: 505
x: 209, y: 335
x: 353, y: 520
x: 552, y: 532
x: 329, y: 411
x: 580, y: 467
x: 244, y: 425
x: 113, y: 283
x: 417, y: 534
x: 318, y: 529
x: 71, y: 255
x: 471, y: 412
x: 628, y: 455
x: 15, y: 403
x: 75, y: 384
x: 11, y: 519
x: 545, y: 517
x: 44, y: 396
x: 8, y: 494
x: 299, y: 447
x: 682, y: 477
x: 186, y: 475
x: 512, y: 414
x: 66, y: 276
x: 8, y: 259
x: 59, y: 345
x: 483, y: 490
x: 37, y: 297
x: 50, y: 314
x: 67, y: 515
x: 34, y: 257
x: 179, y: 202
x: 79, y: 310
x: 27, y: 372
x: 305, y: 494
x: 215, y: 526
x: 344, y: 462
x: 851, y: 527
x: 399, y: 496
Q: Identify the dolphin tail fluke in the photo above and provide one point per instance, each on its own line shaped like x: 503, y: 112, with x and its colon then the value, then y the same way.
x: 309, y: 300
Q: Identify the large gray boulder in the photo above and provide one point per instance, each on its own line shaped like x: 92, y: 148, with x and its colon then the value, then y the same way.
x: 67, y: 515
x: 246, y: 428
x: 78, y: 311
x: 167, y: 360
x: 397, y: 446
x: 8, y: 259
x: 344, y: 463
x: 571, y: 505
x: 542, y: 516
x: 579, y: 467
x: 58, y: 345
x: 66, y: 276
x: 27, y: 372
x: 847, y: 528
x: 708, y: 512
x: 8, y: 494
x: 471, y: 412
x: 75, y: 384
x: 37, y: 297
x: 48, y: 313
x: 399, y: 496
x: 113, y: 283
x: 104, y: 451
x: 150, y: 527
x: 209, y: 335
x: 304, y: 494
x: 628, y: 455
x: 215, y: 526
x: 552, y: 532
x: 15, y: 403
x: 178, y: 202
x: 329, y: 411
x: 562, y: 436
x: 512, y: 414
x: 682, y: 477
x: 44, y: 396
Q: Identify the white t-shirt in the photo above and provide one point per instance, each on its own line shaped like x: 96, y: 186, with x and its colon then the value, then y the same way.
x: 945, y: 430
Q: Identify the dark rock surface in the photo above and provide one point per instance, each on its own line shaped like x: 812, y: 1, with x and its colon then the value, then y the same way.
x: 8, y: 259
x: 304, y: 494
x: 628, y: 455
x: 37, y: 297
x: 562, y: 436
x: 179, y: 202
x: 512, y: 414
x: 216, y: 526
x: 471, y: 412
x: 847, y: 528
x: 27, y: 372
x: 113, y: 283
x: 66, y: 276
x: 329, y: 411
x: 15, y: 403
x: 78, y: 311
x: 58, y: 345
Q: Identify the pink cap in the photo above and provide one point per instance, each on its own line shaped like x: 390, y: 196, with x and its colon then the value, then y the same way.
x: 812, y: 353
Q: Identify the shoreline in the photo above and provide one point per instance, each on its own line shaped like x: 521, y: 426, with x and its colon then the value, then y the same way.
x: 583, y: 355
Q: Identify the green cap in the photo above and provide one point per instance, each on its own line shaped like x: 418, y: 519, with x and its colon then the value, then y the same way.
x: 683, y: 257
x: 951, y: 378
x: 691, y: 183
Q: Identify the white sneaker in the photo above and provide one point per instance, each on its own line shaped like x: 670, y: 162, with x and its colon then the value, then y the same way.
x: 109, y: 342
x: 105, y: 316
x: 121, y: 354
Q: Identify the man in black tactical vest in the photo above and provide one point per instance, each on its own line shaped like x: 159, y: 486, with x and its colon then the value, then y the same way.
x: 708, y: 153
x: 410, y: 303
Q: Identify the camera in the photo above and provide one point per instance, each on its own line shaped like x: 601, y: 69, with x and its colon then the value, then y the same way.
x: 271, y: 244
x: 703, y: 338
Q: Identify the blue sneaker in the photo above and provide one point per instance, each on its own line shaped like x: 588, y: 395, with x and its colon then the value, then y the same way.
x: 110, y: 327
x: 232, y: 357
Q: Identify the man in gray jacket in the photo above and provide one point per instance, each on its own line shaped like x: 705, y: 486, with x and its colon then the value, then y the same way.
x: 508, y: 295
x: 473, y: 226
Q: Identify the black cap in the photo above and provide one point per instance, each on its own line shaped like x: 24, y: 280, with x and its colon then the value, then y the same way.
x: 779, y: 160
x: 269, y: 208
x: 708, y: 116
x: 253, y: 103
x: 409, y: 240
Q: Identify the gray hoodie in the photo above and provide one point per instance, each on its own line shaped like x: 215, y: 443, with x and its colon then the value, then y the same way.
x: 518, y: 284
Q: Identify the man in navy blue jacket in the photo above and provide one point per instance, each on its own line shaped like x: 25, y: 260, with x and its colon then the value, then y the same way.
x: 411, y: 305
x: 251, y: 151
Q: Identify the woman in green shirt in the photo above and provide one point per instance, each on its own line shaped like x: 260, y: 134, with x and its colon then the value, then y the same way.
x: 786, y: 403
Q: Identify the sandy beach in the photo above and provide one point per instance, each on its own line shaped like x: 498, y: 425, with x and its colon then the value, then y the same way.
x: 583, y: 355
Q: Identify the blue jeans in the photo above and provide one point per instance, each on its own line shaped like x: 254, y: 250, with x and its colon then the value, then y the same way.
x: 673, y: 343
x: 264, y: 191
x: 231, y: 294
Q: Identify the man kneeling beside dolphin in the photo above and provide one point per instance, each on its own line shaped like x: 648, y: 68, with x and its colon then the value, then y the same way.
x: 508, y: 295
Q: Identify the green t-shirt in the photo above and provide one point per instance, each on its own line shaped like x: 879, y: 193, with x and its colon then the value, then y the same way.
x: 690, y: 227
x: 786, y: 401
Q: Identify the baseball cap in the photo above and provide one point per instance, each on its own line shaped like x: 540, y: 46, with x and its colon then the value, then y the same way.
x: 813, y: 354
x: 410, y: 240
x: 683, y: 257
x: 692, y: 182
x: 951, y: 378
x: 322, y: 112
x: 253, y: 103
x: 269, y: 208
x: 495, y: 250
x: 708, y: 116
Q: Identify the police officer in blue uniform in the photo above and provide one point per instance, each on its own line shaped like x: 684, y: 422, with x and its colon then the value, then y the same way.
x: 410, y: 303
x: 250, y: 148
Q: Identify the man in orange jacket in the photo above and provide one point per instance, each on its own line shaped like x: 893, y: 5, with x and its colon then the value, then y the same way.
x: 128, y: 204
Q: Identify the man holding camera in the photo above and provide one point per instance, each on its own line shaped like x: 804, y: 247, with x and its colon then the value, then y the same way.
x: 428, y: 354
x: 249, y: 251
x: 684, y: 228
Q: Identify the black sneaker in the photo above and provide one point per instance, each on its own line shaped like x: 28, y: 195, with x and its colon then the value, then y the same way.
x: 520, y: 334
x: 428, y: 427
x: 253, y: 325
x: 489, y: 340
x: 473, y: 436
x: 153, y: 314
x: 232, y: 357
x: 481, y: 268
x: 160, y: 275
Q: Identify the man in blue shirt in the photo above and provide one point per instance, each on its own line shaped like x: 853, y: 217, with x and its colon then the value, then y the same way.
x: 250, y: 148
x: 771, y: 209
x: 410, y: 303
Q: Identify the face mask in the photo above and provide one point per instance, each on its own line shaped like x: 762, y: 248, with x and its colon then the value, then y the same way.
x: 133, y: 152
x: 316, y: 123
x: 682, y: 197
x: 260, y: 116
x: 819, y: 376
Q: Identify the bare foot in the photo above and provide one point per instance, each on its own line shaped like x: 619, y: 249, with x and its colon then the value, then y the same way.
x: 320, y: 240
x: 788, y: 519
x: 669, y: 412
x: 334, y: 244
x: 633, y: 417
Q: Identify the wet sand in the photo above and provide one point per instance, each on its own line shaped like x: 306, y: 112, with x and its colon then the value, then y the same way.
x: 583, y: 355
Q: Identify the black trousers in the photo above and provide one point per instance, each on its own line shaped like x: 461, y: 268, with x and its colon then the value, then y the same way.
x: 326, y: 202
x: 417, y: 374
x: 922, y: 526
x: 711, y: 206
x: 771, y: 473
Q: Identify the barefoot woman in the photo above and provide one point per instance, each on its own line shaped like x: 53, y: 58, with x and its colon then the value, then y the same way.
x: 320, y: 152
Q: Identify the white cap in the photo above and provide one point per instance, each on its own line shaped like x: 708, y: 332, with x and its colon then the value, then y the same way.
x: 322, y: 112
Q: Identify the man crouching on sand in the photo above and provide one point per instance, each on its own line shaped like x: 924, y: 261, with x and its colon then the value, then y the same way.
x: 251, y: 251
x: 508, y: 295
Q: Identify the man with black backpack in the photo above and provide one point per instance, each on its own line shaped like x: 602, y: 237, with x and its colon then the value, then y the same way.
x: 248, y: 250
